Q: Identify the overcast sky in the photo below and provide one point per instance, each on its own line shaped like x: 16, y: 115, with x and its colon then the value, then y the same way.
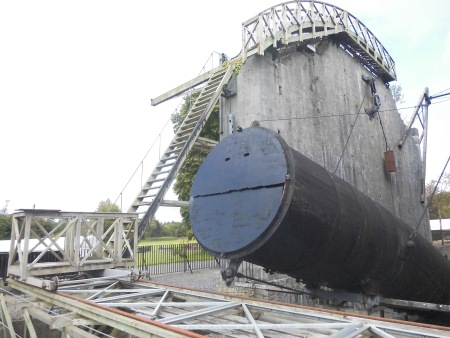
x: 76, y: 79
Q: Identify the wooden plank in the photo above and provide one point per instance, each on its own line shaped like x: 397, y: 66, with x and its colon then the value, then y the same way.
x: 29, y: 324
x: 184, y: 87
x: 6, y: 317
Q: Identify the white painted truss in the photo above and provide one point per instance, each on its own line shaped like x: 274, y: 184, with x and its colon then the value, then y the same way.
x: 170, y: 311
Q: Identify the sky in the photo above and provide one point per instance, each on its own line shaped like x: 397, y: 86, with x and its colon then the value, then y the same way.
x: 76, y: 79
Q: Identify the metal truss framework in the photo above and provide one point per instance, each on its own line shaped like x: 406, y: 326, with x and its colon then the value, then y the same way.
x: 295, y: 22
x: 143, y: 309
x: 420, y: 114
x: 79, y: 241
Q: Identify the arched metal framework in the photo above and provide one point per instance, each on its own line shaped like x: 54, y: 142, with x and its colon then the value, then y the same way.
x: 295, y: 22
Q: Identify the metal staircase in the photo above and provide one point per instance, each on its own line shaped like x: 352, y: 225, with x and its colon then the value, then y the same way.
x: 152, y: 193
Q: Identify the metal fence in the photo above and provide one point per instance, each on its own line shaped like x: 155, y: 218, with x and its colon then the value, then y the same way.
x: 156, y: 259
x: 168, y: 258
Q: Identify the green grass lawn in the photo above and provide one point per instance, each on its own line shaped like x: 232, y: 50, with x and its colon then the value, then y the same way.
x: 166, y: 240
x: 170, y: 250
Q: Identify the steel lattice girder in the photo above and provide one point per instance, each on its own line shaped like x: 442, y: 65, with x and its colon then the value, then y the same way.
x: 190, y: 310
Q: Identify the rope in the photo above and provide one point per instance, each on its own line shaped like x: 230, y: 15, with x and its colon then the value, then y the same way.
x: 340, y: 115
x: 140, y: 163
x: 384, y: 135
x: 350, y: 134
x: 332, y: 115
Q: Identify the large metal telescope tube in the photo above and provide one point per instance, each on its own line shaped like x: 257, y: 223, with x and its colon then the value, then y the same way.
x: 256, y: 199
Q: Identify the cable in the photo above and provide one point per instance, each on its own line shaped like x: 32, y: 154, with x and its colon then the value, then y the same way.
x: 414, y: 233
x: 50, y: 311
x: 159, y: 135
x: 8, y: 329
x: 441, y: 91
x: 384, y: 134
x: 140, y: 163
x: 325, y: 116
x: 340, y: 115
x: 350, y: 134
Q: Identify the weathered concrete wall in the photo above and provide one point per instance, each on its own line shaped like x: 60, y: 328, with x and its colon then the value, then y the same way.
x: 312, y: 100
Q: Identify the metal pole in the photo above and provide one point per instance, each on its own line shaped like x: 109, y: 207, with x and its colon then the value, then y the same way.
x: 424, y: 145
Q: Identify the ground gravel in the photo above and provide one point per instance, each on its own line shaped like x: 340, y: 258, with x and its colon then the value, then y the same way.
x: 206, y: 280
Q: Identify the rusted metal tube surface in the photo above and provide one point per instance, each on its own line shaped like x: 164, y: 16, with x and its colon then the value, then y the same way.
x: 256, y: 199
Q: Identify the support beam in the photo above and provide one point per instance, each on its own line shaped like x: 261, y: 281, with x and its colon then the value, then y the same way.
x: 184, y: 87
x: 111, y: 317
x: 29, y: 324
x: 178, y: 204
x: 6, y: 318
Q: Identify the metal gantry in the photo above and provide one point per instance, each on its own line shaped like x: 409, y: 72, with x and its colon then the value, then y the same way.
x: 144, y: 308
x: 297, y: 22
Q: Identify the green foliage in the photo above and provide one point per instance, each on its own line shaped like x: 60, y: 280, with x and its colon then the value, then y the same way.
x: 439, y: 206
x: 162, y: 253
x: 169, y: 229
x: 107, y: 206
x: 6, y: 222
x: 397, y: 93
x: 173, y: 229
x: 153, y: 229
x: 236, y: 63
x: 5, y: 226
x: 47, y: 223
x: 186, y: 175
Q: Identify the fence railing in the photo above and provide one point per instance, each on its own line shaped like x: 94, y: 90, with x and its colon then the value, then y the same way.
x: 156, y: 259
x: 160, y: 259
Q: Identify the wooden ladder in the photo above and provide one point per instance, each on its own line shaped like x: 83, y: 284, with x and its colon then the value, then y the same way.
x: 152, y: 193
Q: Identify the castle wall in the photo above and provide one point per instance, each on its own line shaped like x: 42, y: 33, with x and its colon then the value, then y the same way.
x: 312, y: 100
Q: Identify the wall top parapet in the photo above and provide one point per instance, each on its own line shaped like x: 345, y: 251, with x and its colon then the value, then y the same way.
x: 298, y: 22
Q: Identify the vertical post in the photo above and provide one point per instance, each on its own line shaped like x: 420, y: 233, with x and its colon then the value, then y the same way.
x: 99, y: 229
x: 260, y: 38
x: 424, y: 145
x: 15, y: 234
x: 69, y: 242
x: 28, y: 324
x: 440, y: 223
x: 26, y: 238
x: 118, y: 243
x: 244, y: 50
x: 76, y: 241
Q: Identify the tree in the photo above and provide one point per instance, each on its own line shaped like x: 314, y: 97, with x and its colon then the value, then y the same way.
x: 153, y: 229
x: 397, y: 93
x: 107, y: 206
x: 5, y: 226
x: 186, y: 175
x: 439, y: 206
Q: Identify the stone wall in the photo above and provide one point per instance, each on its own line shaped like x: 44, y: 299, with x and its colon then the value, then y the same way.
x: 312, y: 98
